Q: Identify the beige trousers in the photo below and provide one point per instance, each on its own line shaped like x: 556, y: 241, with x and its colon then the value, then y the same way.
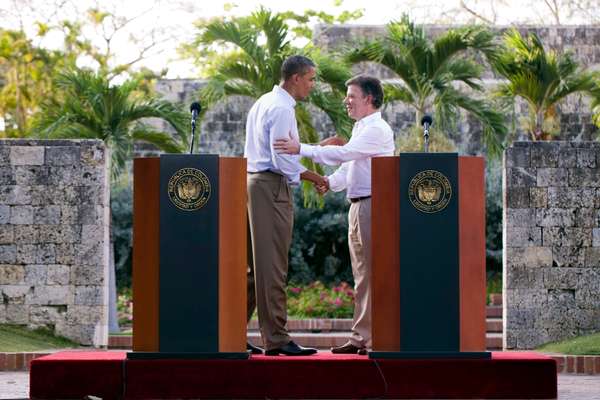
x: 359, y: 242
x: 271, y: 218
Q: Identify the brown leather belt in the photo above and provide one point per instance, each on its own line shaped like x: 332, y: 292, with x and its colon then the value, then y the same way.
x: 357, y: 199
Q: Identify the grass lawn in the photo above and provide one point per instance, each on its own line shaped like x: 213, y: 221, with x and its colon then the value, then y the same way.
x: 582, y: 345
x: 16, y: 338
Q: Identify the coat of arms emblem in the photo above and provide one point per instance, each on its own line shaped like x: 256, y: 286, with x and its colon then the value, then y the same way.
x: 189, y: 189
x: 429, y: 191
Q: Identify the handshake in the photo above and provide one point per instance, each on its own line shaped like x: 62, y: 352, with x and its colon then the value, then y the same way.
x: 292, y: 146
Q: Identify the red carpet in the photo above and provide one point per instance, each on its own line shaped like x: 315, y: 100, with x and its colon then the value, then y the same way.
x: 109, y: 375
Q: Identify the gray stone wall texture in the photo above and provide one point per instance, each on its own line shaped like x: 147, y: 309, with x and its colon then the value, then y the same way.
x: 222, y: 129
x: 551, y: 242
x: 54, y: 209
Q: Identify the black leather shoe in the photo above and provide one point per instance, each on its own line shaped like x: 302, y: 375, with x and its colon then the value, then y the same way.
x: 348, y: 348
x: 252, y: 349
x: 291, y: 349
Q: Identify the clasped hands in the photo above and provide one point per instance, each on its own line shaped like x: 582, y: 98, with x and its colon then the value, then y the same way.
x: 292, y: 146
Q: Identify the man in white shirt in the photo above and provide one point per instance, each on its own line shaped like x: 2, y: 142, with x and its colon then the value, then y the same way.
x: 270, y: 206
x: 371, y: 137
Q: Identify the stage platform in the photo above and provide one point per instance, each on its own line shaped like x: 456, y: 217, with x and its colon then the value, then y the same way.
x: 109, y: 375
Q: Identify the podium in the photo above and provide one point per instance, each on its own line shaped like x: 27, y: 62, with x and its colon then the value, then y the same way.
x: 189, y: 257
x: 428, y: 277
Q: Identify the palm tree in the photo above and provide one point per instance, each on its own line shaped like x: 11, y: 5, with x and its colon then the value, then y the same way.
x: 252, y: 69
x: 88, y: 107
x: 542, y: 78
x: 431, y: 72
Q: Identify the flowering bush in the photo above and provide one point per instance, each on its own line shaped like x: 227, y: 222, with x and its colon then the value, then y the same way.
x: 125, y: 308
x: 318, y: 301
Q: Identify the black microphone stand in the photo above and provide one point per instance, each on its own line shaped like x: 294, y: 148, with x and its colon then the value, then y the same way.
x: 193, y: 135
x: 195, y: 108
x: 426, y: 122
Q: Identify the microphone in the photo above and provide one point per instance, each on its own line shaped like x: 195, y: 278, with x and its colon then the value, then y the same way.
x: 426, y: 123
x: 195, y: 109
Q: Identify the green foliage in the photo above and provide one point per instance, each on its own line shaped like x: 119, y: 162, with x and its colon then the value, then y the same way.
x: 318, y: 301
x: 125, y: 307
x: 542, y: 78
x: 493, y: 216
x: 582, y: 345
x: 121, y: 206
x: 88, y: 106
x: 15, y: 338
x: 431, y: 73
x: 320, y: 242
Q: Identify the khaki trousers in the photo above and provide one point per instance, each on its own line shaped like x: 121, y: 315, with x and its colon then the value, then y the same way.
x: 359, y: 242
x: 271, y: 218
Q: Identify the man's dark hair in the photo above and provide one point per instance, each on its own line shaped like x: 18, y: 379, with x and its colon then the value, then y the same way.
x: 369, y: 85
x: 295, y: 65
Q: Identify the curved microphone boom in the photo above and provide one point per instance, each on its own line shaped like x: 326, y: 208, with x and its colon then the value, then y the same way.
x: 426, y: 122
x: 195, y: 109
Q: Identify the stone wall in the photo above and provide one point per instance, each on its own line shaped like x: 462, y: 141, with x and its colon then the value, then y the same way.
x: 551, y: 242
x: 222, y: 130
x: 54, y: 209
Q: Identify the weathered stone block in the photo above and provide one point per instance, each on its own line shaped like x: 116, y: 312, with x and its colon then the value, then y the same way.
x: 36, y: 274
x: 518, y: 176
x: 26, y: 155
x: 92, y: 153
x: 59, y: 233
x: 31, y: 175
x: 524, y: 278
x: 544, y: 154
x: 7, y: 234
x: 538, y: 197
x: 87, y: 275
x: 586, y: 217
x: 51, y: 295
x: 14, y: 294
x: 36, y: 253
x: 568, y: 256
x: 589, y: 177
x: 533, y: 299
x: 85, y: 315
x: 519, y: 217
x: 58, y: 274
x: 559, y: 217
x: 592, y: 257
x: 520, y: 318
x: 517, y: 197
x: 62, y: 155
x: 517, y: 157
x: 596, y: 237
x: 530, y: 257
x: 69, y: 175
x: 524, y: 236
x: 26, y: 234
x: 586, y: 158
x: 92, y: 175
x: 65, y: 253
x: 4, y: 214
x: 42, y: 315
x: 90, y: 296
x: 8, y: 254
x: 17, y: 314
x: 570, y: 197
x: 562, y: 278
x: 93, y: 195
x: 15, y: 195
x: 7, y: 176
x: 559, y: 236
x: 89, y: 254
x: 93, y: 234
x: 552, y: 177
x: 93, y: 334
x: 46, y: 215
x: 567, y: 158
x: 11, y: 274
x: 21, y: 215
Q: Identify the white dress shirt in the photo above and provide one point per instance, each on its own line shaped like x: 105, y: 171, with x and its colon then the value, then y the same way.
x: 272, y: 117
x: 371, y: 137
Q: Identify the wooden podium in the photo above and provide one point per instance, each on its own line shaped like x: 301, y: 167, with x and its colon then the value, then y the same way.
x: 428, y: 277
x: 189, y: 257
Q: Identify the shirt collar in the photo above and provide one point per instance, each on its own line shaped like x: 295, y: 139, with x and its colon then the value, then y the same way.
x: 284, y: 95
x: 370, y: 118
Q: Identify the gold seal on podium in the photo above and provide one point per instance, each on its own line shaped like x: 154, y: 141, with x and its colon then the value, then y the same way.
x: 429, y: 191
x: 189, y: 189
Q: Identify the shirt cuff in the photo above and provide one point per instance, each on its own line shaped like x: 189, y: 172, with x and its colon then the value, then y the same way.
x: 307, y: 150
x: 334, y: 183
